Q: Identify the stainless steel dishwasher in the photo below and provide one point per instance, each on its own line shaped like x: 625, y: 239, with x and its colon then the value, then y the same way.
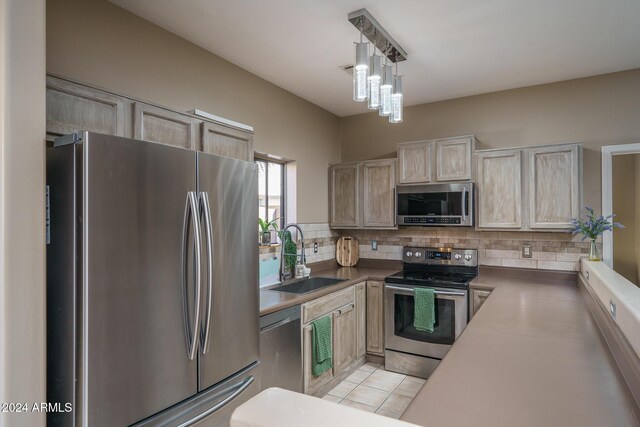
x: 281, y: 350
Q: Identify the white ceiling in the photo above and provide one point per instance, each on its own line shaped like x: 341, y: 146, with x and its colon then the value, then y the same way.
x: 455, y: 47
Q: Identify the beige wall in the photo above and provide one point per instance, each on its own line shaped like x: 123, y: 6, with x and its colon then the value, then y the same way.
x: 22, y: 249
x: 96, y: 42
x: 637, y: 223
x: 625, y: 196
x: 598, y: 111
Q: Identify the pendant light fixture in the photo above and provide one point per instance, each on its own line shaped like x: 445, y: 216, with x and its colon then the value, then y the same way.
x: 361, y: 71
x: 396, y: 99
x: 385, y: 91
x: 374, y: 81
x: 375, y: 77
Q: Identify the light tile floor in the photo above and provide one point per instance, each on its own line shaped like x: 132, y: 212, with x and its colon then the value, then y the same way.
x: 373, y: 389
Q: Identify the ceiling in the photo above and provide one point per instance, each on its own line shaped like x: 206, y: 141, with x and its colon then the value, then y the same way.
x: 455, y: 47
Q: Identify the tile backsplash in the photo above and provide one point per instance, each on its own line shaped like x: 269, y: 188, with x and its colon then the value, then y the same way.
x: 550, y: 251
x: 313, y: 233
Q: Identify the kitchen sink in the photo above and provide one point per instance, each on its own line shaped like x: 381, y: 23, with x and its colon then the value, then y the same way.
x: 306, y: 285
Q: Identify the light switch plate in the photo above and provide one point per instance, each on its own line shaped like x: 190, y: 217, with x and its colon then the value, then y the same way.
x: 374, y: 245
x: 526, y: 251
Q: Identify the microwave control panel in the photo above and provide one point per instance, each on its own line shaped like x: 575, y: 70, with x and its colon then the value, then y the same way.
x: 431, y: 220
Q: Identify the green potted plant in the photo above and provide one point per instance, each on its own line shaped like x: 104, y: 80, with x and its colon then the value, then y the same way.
x: 591, y: 227
x: 265, y: 229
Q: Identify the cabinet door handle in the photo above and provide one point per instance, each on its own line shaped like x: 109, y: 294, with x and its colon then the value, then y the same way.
x: 346, y: 310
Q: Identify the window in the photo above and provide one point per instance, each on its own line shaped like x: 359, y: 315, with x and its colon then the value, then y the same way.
x: 271, y: 190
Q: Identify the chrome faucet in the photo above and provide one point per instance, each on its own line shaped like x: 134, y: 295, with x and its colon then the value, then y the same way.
x: 302, y: 255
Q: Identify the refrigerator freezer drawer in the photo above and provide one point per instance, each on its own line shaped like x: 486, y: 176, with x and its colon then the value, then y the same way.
x: 212, y: 407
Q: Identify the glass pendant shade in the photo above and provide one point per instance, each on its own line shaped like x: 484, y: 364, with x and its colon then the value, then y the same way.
x: 375, y: 77
x: 361, y: 73
x: 385, y: 91
x: 396, y: 101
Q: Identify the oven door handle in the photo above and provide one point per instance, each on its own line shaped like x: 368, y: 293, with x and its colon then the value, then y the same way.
x: 452, y: 293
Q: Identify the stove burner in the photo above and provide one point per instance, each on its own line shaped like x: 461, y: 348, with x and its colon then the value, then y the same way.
x: 430, y: 278
x: 451, y: 268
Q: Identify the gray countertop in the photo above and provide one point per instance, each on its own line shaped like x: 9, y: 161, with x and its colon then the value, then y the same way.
x: 532, y: 356
x: 271, y: 301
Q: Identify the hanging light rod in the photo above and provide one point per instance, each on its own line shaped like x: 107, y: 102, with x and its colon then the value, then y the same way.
x: 373, y: 31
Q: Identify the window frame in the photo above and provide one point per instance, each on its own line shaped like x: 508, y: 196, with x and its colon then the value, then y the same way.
x: 283, y: 188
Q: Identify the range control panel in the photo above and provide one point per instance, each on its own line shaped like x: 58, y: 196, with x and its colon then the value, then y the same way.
x: 440, y: 256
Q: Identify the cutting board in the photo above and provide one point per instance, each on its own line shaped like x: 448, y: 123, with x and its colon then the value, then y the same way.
x: 347, y: 251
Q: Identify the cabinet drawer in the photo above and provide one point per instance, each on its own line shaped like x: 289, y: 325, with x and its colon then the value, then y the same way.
x: 326, y: 304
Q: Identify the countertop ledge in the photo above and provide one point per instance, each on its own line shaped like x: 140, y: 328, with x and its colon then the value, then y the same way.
x: 275, y: 407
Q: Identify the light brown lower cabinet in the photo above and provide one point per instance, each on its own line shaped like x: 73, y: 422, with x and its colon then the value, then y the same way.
x: 478, y: 297
x: 311, y: 384
x: 375, y: 318
x: 361, y: 319
x: 344, y: 337
x: 346, y: 308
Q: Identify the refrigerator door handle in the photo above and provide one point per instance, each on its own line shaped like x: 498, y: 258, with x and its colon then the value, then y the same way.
x: 191, y: 217
x: 204, y: 336
x: 241, y: 387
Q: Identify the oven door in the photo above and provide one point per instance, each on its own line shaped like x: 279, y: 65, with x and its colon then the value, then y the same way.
x: 451, y: 306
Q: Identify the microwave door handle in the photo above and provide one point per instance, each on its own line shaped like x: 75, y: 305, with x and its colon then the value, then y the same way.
x: 464, y: 204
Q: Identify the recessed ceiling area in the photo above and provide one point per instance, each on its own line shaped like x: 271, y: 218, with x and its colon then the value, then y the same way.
x: 455, y: 48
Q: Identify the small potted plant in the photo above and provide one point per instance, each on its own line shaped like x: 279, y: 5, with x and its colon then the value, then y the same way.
x: 265, y: 230
x: 591, y: 227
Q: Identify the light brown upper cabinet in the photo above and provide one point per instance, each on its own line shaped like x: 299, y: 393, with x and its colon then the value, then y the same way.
x: 414, y: 162
x: 362, y: 194
x: 378, y: 207
x: 554, y: 194
x: 226, y: 141
x: 72, y: 107
x: 454, y: 157
x: 499, y: 189
x: 344, y: 188
x: 533, y: 188
x: 451, y: 159
x: 156, y: 124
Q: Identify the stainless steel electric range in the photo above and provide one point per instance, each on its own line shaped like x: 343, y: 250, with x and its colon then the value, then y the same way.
x: 448, y: 272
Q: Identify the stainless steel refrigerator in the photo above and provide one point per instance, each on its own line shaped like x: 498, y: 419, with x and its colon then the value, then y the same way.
x: 152, y: 283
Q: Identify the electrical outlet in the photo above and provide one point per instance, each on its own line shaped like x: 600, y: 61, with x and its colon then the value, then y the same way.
x: 374, y: 245
x: 612, y: 309
x: 315, y: 247
x: 526, y: 251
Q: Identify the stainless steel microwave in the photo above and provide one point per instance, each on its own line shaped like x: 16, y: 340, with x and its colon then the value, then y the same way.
x: 435, y: 204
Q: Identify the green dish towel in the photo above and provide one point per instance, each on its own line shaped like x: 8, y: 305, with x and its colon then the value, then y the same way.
x: 424, y: 315
x: 321, y: 350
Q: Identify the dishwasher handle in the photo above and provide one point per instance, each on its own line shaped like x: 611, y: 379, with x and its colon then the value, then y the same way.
x: 277, y: 324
